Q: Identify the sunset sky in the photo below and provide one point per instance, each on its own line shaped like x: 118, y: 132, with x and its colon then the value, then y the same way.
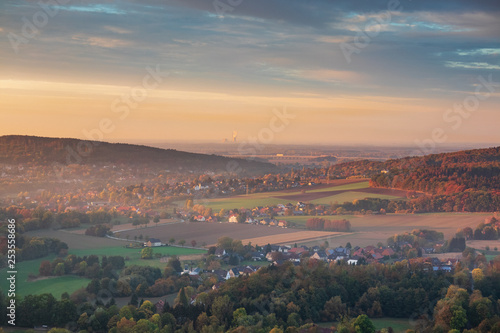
x: 346, y: 72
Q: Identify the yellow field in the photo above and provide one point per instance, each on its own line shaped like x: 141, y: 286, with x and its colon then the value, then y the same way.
x: 290, y: 239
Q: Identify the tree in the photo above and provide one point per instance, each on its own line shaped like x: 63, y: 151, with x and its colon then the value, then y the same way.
x: 65, y: 312
x: 334, y: 309
x: 241, y: 218
x: 134, y: 300
x: 225, y: 243
x: 182, y: 298
x: 363, y: 324
x: 145, y: 326
x: 193, y: 243
x: 459, y: 319
x: 59, y: 269
x: 233, y: 260
x: 175, y: 263
x: 171, y: 240
x: 477, y: 274
x: 156, y: 219
x: 147, y: 253
x: 182, y: 242
x: 222, y: 309
x: 45, y: 268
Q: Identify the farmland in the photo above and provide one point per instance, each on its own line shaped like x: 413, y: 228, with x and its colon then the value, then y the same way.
x: 371, y: 229
x: 54, y: 285
x: 58, y: 284
x: 338, y: 191
x: 208, y: 233
x: 82, y: 245
x: 366, y: 229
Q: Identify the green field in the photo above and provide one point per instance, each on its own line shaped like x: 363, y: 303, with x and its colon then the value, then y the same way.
x: 250, y: 201
x: 70, y: 283
x: 135, y: 253
x: 53, y: 285
x: 353, y: 186
x: 398, y: 324
x: 350, y: 197
x: 271, y: 198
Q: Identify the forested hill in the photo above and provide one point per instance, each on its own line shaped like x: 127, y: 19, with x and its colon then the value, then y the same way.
x: 459, y: 181
x: 45, y: 151
x: 446, y: 173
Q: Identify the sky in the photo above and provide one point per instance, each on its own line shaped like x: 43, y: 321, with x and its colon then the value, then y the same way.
x: 421, y: 73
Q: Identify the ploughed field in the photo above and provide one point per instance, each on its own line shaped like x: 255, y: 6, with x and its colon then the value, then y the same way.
x: 339, y: 191
x: 366, y: 229
x: 209, y: 233
x: 371, y: 229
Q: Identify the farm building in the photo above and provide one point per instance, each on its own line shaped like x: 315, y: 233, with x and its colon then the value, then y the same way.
x: 152, y: 242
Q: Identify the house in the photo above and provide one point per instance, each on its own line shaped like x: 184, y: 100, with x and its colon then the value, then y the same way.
x: 247, y: 270
x: 429, y: 250
x: 319, y: 255
x: 152, y: 242
x: 233, y: 272
x: 282, y: 223
x: 159, y: 306
x: 353, y: 261
x: 297, y: 250
x: 265, y: 221
x: 388, y: 252
x: 219, y: 252
x: 284, y: 248
x: 377, y: 256
x: 258, y: 256
x: 233, y: 218
x: 251, y: 220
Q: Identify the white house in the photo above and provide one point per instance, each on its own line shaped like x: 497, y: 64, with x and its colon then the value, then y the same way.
x: 152, y: 242
x: 352, y: 261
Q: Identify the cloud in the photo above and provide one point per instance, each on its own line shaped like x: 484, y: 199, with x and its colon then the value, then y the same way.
x: 480, y: 52
x: 101, y: 41
x: 117, y: 30
x: 471, y: 65
x: 93, y: 8
x: 322, y: 12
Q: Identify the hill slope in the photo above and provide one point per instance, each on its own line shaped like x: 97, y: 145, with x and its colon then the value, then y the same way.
x: 45, y: 151
x: 458, y: 181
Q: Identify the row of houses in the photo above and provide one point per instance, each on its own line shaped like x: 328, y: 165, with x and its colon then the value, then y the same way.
x: 222, y: 274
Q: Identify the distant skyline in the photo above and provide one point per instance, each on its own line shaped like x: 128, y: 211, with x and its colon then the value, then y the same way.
x: 275, y: 71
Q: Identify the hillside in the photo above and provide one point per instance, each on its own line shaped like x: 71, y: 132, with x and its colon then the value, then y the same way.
x: 458, y: 181
x: 477, y: 169
x: 32, y: 150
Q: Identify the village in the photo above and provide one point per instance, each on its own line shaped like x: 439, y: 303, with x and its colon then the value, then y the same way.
x: 249, y: 259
